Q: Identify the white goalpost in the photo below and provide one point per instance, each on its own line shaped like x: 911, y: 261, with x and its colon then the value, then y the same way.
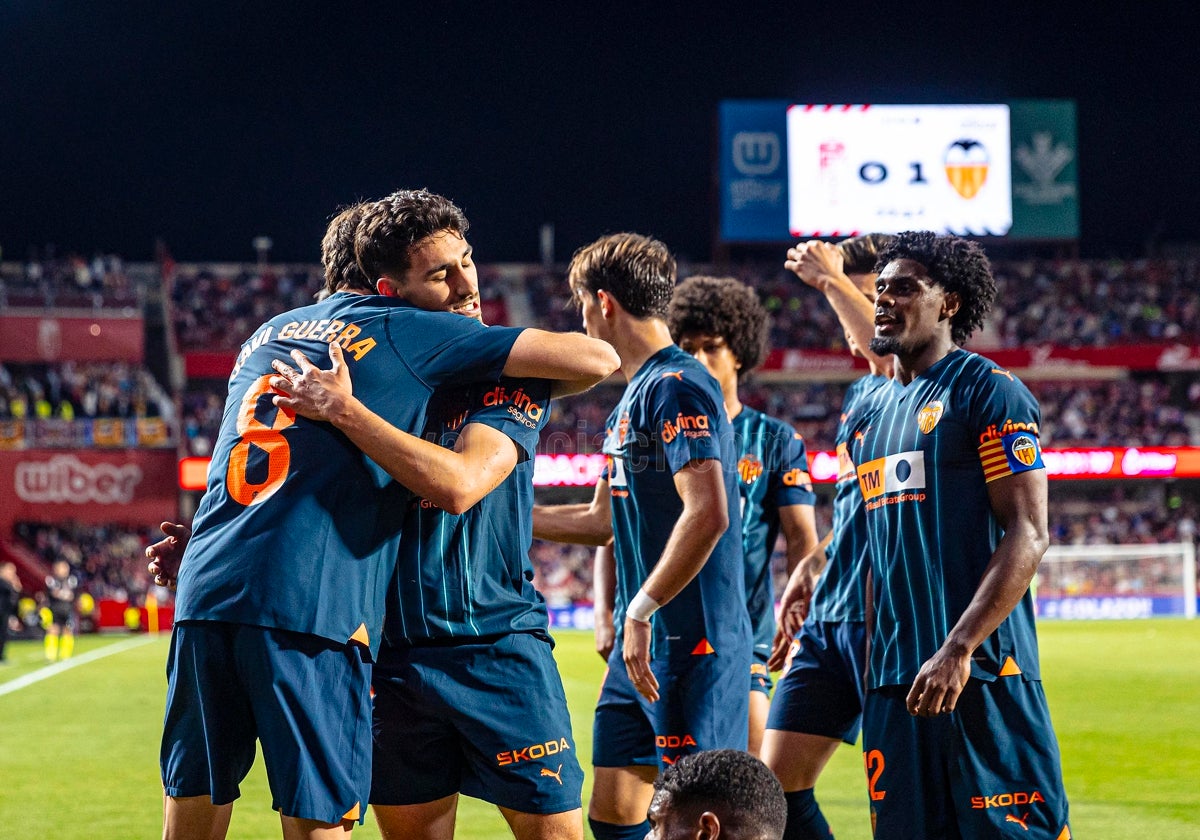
x: 1117, y: 581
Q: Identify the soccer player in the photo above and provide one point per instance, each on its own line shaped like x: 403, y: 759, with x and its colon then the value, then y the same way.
x: 956, y: 732
x: 721, y: 322
x: 281, y: 588
x: 818, y: 703
x: 717, y: 794
x: 465, y: 638
x: 669, y: 501
x: 62, y: 590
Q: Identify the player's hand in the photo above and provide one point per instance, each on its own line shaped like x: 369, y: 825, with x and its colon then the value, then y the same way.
x: 166, y: 554
x: 636, y: 653
x: 816, y: 263
x: 781, y: 650
x: 794, y: 604
x: 939, y: 683
x: 310, y: 391
x: 605, y: 634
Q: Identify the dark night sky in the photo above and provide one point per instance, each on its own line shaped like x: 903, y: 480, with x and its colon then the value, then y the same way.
x: 206, y: 123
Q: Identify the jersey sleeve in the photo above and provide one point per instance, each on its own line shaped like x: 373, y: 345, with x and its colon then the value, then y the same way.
x: 685, y: 418
x: 520, y: 408
x: 1006, y: 418
x: 442, y: 348
x: 791, y: 483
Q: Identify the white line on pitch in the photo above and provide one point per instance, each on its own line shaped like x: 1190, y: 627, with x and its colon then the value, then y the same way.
x: 58, y: 667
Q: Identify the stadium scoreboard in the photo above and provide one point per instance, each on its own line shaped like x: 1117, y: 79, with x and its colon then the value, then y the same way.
x: 791, y: 171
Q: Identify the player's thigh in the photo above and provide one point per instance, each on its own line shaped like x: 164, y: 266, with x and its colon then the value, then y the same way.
x: 208, y: 742
x: 426, y: 821
x: 621, y: 795
x: 797, y: 758
x: 313, y: 715
x: 622, y: 732
x: 567, y: 825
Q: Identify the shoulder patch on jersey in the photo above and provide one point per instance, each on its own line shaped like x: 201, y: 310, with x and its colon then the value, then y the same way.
x: 928, y: 417
x: 1013, y: 453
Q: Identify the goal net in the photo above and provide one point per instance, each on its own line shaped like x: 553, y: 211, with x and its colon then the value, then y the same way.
x: 1117, y: 581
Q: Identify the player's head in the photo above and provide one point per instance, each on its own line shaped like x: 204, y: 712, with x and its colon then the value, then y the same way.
x: 634, y: 270
x: 337, y: 254
x: 721, y: 322
x: 61, y: 568
x: 413, y: 244
x: 859, y: 255
x: 725, y: 793
x: 929, y: 283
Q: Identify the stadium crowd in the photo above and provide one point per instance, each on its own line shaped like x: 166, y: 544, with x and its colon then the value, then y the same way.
x: 80, y: 390
x: 108, y: 560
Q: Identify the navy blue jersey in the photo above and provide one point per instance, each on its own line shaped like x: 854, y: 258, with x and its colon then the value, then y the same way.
x: 297, y: 529
x: 841, y: 591
x: 469, y: 575
x: 925, y: 455
x: 773, y: 474
x: 673, y: 413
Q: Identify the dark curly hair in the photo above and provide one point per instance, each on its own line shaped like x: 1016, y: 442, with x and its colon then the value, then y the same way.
x: 337, y: 252
x: 955, y: 264
x: 734, y: 785
x: 391, y: 226
x: 721, y: 306
x: 637, y: 270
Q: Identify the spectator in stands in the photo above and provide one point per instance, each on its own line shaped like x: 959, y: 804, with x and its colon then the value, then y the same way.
x: 10, y: 595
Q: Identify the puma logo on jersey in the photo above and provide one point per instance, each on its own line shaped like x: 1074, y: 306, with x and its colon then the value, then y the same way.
x: 1007, y: 818
x: 678, y: 374
x: 1000, y: 372
x: 557, y: 774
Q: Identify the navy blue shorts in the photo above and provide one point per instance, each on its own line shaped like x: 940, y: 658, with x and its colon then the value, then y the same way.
x: 821, y: 693
x: 488, y: 719
x: 702, y: 705
x: 305, y: 698
x: 988, y: 769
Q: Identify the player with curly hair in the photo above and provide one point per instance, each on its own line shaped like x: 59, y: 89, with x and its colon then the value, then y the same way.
x: 721, y: 322
x: 719, y: 793
x: 956, y: 731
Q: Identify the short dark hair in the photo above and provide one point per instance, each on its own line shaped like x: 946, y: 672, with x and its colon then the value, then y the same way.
x: 734, y: 785
x: 337, y: 252
x: 637, y: 270
x: 957, y: 265
x: 392, y: 225
x: 859, y: 253
x: 721, y: 306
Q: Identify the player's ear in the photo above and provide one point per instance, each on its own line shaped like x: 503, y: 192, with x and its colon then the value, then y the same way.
x: 708, y: 827
x: 606, y: 302
x: 951, y: 303
x: 388, y: 287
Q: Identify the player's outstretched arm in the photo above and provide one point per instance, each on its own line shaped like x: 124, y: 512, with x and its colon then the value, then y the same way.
x: 1019, y: 503
x: 573, y: 360
x: 820, y: 265
x: 585, y: 524
x: 166, y: 554
x: 704, y: 518
x: 453, y: 479
x: 795, y: 601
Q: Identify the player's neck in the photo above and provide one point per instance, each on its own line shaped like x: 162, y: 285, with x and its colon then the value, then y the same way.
x: 911, y: 365
x: 637, y: 340
x: 733, y: 405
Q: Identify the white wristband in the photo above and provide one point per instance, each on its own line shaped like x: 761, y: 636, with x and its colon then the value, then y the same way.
x: 642, y: 607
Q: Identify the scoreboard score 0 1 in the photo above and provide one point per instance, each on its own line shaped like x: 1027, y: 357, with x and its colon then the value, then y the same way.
x: 889, y: 168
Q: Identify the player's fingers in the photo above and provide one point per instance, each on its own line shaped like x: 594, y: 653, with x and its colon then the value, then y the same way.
x: 281, y: 383
x: 284, y: 369
x: 303, y: 361
x: 335, y: 356
x: 285, y: 402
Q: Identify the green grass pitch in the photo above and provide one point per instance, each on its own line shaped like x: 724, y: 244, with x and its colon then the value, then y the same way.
x: 79, y: 747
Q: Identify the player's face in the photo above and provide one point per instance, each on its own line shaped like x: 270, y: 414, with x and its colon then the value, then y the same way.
x: 665, y: 822
x: 714, y: 353
x: 911, y: 309
x: 442, y: 276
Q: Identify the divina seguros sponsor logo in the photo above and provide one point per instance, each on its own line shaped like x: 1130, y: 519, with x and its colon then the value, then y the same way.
x: 66, y: 479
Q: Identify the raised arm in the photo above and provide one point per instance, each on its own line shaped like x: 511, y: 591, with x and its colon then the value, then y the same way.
x: 453, y: 479
x: 574, y: 361
x: 1019, y: 503
x: 820, y: 265
x: 704, y: 518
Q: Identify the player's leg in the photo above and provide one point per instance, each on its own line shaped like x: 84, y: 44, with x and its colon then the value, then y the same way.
x: 50, y: 641
x: 565, y: 826
x: 195, y: 818
x: 427, y: 821
x: 625, y: 761
x: 208, y: 733
x: 311, y: 705
x: 760, y: 700
x: 295, y: 828
x: 66, y: 641
x: 817, y: 706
